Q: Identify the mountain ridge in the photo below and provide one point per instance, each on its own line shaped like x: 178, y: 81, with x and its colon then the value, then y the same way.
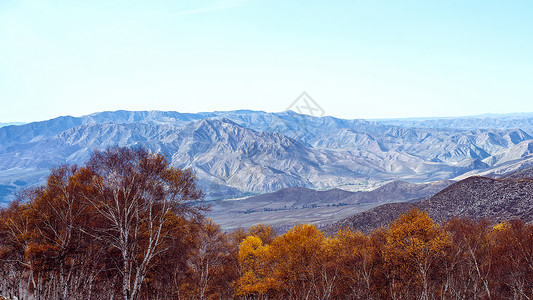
x: 255, y: 152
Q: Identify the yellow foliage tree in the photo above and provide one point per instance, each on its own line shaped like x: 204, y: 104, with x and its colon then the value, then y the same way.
x: 292, y: 266
x: 356, y: 256
x: 414, y: 245
x: 264, y: 232
x: 297, y: 258
x: 254, y: 261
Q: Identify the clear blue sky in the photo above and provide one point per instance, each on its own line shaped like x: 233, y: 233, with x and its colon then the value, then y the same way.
x: 357, y: 59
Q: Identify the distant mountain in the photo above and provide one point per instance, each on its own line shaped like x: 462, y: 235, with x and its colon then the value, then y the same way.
x: 523, y: 121
x: 299, y: 197
x: 240, y: 153
x: 399, y: 191
x: 476, y: 197
x: 285, y: 208
x: 524, y: 173
x: 11, y: 123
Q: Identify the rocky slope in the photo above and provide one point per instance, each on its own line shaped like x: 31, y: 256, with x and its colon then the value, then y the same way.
x: 475, y: 197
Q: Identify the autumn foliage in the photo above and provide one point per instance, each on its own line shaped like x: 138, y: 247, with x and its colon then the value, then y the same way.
x: 127, y: 225
x: 102, y: 230
x: 412, y: 259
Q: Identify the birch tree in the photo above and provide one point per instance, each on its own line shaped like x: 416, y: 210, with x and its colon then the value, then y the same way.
x: 136, y: 197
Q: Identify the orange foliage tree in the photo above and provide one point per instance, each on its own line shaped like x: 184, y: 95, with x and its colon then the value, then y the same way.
x: 415, y: 246
x: 92, y: 227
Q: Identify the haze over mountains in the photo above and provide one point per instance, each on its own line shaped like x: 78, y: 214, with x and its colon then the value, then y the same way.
x: 242, y: 153
x: 10, y: 123
x: 486, y: 121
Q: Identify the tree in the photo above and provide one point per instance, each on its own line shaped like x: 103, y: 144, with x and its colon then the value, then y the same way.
x: 136, y: 196
x: 56, y: 238
x: 470, y: 257
x: 210, y: 264
x: 256, y: 278
x: 14, y: 238
x: 512, y: 255
x: 298, y: 264
x: 357, y: 258
x: 104, y: 225
x: 264, y: 232
x: 415, y: 245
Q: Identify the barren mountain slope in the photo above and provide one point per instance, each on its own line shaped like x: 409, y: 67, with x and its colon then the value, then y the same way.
x: 476, y: 197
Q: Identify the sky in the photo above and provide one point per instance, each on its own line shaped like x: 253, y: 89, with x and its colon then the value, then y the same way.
x: 356, y: 59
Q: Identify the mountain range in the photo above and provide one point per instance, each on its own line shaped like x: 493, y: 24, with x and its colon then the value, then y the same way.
x: 486, y: 121
x: 244, y: 153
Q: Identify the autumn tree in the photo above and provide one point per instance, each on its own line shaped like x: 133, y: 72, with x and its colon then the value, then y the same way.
x: 512, y: 245
x: 256, y: 279
x: 291, y: 267
x: 14, y: 239
x: 135, y: 195
x: 103, y: 225
x: 210, y: 272
x: 171, y: 275
x: 296, y: 257
x: 56, y: 237
x: 470, y: 258
x: 262, y: 231
x: 357, y: 257
x: 235, y: 269
x: 415, y: 245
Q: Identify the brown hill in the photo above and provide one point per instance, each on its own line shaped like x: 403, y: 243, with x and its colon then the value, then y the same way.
x: 475, y: 197
x: 299, y: 197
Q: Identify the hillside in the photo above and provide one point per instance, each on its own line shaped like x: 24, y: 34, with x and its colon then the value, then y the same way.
x: 475, y: 197
x: 297, y: 197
